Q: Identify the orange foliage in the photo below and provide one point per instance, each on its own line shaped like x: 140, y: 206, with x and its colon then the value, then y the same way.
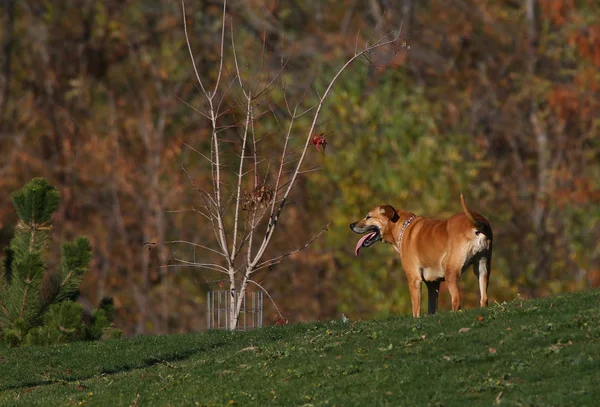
x: 99, y: 137
x: 557, y: 10
x: 588, y: 43
x: 564, y: 102
x: 578, y: 102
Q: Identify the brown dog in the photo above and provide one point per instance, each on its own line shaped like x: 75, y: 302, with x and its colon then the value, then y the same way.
x: 432, y: 250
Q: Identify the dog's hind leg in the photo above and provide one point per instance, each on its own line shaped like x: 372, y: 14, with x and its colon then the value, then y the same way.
x: 452, y: 280
x: 481, y: 269
x: 433, y: 290
x: 484, y: 277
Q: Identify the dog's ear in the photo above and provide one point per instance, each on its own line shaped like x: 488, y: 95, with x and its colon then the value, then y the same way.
x: 390, y: 212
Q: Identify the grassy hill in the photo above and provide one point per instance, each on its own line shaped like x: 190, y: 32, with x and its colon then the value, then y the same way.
x: 541, y: 352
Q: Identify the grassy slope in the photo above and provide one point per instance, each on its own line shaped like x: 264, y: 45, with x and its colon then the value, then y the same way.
x: 539, y: 352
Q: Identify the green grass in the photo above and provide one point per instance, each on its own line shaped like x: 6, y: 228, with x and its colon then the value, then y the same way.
x: 541, y: 352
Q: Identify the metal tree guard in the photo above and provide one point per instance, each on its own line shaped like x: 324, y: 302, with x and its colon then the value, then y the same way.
x: 218, y: 307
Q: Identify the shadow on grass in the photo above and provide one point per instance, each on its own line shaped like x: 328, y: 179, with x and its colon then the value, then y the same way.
x: 63, y: 374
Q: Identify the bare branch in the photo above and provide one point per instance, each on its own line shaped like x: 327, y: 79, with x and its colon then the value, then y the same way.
x: 268, y: 295
x: 203, y: 193
x: 240, y: 176
x: 237, y: 67
x: 187, y: 40
x: 208, y: 266
x: 224, y: 94
x: 253, y: 220
x: 283, y: 87
x: 195, y: 245
x: 274, y: 219
x: 277, y: 260
x: 216, y: 168
x: 188, y: 210
x: 191, y: 107
x: 243, y: 151
x: 221, y: 54
x: 199, y: 153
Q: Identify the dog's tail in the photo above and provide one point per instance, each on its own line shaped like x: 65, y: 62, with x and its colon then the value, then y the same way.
x: 477, y: 224
x: 480, y: 224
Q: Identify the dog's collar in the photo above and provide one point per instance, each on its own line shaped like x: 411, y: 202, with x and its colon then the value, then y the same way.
x: 404, y: 226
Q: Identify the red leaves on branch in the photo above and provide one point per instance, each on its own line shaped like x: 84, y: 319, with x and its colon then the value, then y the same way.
x: 319, y: 141
x: 261, y: 196
x: 283, y: 320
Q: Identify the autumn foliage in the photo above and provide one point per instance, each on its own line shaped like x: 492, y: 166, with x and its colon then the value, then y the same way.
x: 497, y: 99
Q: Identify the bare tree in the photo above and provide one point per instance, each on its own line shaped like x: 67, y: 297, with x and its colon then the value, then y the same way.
x: 243, y: 206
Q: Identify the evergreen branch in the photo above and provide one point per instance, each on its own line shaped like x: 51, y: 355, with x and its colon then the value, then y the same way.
x: 4, y: 283
x: 4, y: 309
x: 67, y: 278
x: 75, y: 259
x: 24, y: 302
x: 32, y: 240
x: 34, y: 226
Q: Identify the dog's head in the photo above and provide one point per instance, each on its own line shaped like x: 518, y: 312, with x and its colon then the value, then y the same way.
x: 374, y: 225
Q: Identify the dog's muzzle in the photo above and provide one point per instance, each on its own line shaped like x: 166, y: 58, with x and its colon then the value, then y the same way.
x: 371, y: 235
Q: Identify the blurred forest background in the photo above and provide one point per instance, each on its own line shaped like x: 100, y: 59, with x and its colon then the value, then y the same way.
x: 498, y: 99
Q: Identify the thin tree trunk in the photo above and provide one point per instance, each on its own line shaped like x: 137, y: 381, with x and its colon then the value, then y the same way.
x: 540, y: 204
x: 233, y: 300
x: 9, y: 8
x: 120, y: 226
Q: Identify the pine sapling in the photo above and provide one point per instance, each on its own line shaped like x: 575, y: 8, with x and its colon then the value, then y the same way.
x: 36, y: 305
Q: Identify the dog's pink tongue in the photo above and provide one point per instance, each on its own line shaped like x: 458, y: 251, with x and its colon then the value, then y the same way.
x: 362, y: 240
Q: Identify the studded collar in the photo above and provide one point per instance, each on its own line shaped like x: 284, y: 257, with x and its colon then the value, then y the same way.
x: 404, y: 226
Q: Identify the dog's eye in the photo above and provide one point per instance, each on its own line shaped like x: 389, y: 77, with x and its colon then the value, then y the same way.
x: 368, y: 217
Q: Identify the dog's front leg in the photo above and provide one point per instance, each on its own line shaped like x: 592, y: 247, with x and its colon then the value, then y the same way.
x: 414, y: 286
x: 433, y: 289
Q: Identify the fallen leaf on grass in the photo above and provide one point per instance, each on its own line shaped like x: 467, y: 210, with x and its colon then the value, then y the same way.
x: 557, y: 346
x: 461, y: 330
x: 453, y: 358
x: 492, y: 350
x: 31, y: 389
x: 389, y: 347
x: 410, y: 341
x: 480, y: 318
x: 248, y: 348
x: 226, y: 373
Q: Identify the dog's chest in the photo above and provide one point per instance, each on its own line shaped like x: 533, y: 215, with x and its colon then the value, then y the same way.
x: 432, y: 273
